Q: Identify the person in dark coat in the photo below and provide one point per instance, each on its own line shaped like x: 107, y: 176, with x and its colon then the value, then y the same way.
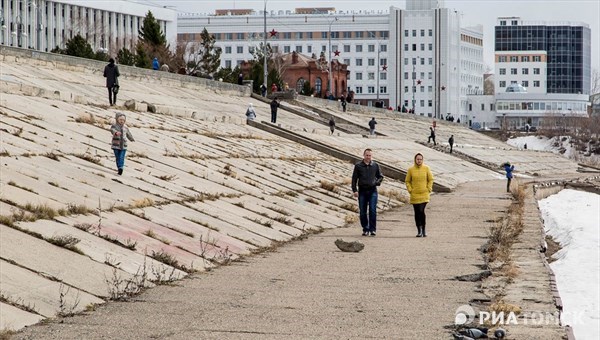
x: 343, y: 99
x: 451, y: 142
x: 431, y: 135
x: 331, y: 124
x: 241, y: 79
x: 509, y: 169
x: 366, y: 177
x: 155, y: 64
x: 274, y: 105
x: 111, y: 73
x: 372, y: 124
x: 263, y: 90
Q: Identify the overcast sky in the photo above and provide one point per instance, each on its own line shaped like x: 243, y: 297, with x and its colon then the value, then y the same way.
x: 475, y: 12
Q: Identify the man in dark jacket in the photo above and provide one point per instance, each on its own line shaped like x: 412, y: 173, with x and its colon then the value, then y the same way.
x: 366, y: 177
x: 111, y: 73
x: 274, y: 106
x: 431, y: 135
x: 331, y: 125
x: 241, y: 79
x: 451, y: 142
x: 372, y: 124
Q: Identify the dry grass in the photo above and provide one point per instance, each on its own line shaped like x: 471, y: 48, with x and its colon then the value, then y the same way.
x: 88, y: 118
x: 66, y: 241
x: 510, y: 270
x: 329, y: 186
x: 12, y: 183
x: 52, y: 156
x: 312, y: 200
x: 506, y: 232
x: 167, y: 178
x: 143, y: 203
x: 350, y: 218
x: 394, y: 194
x: 152, y: 234
x: 350, y: 207
x: 4, y: 153
x: 88, y: 157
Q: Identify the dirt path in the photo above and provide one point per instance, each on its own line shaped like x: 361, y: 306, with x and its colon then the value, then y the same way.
x: 398, y: 287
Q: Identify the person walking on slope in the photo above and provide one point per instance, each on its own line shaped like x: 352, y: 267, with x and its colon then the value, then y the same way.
x: 431, y: 135
x: 372, y: 124
x: 344, y: 103
x: 509, y: 169
x: 119, y: 141
x: 250, y: 113
x: 274, y: 105
x: 451, y: 142
x: 366, y: 177
x: 155, y: 64
x: 419, y: 183
x: 111, y: 73
x: 331, y: 125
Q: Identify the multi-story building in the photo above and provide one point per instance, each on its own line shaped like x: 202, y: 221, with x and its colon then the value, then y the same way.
x: 106, y: 25
x: 551, y: 61
x: 383, y: 51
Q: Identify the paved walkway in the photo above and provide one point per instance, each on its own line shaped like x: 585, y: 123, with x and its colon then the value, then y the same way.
x: 398, y: 287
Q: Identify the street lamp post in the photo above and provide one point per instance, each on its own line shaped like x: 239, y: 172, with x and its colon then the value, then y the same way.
x: 265, y: 71
x: 414, y: 86
x: 330, y: 82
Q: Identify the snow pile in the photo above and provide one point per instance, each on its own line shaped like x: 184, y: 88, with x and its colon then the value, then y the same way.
x: 542, y: 143
x: 572, y: 218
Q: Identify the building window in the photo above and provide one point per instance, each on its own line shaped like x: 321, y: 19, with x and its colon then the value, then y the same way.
x: 502, y: 59
x: 525, y: 58
x: 431, y: 47
x: 228, y: 36
x: 492, y: 107
x: 470, y: 107
x: 502, y: 71
x: 514, y: 58
x: 227, y: 63
x: 382, y: 89
x: 309, y: 49
x: 240, y: 49
x: 358, y: 62
x: 422, y: 33
x: 513, y: 71
x: 371, y: 48
x: 347, y: 48
x: 430, y: 61
x: 240, y: 36
x: 536, y: 71
x: 422, y: 47
x: 405, y: 89
x: 382, y: 61
x: 429, y: 88
x: 414, y: 33
x: 371, y: 75
x: 502, y: 22
x: 383, y: 48
x: 430, y: 75
x: 431, y: 33
x: 537, y: 58
x: 430, y: 103
x: 323, y: 35
x: 482, y: 107
x: 300, y: 35
x: 299, y: 49
x: 536, y: 83
x: 502, y: 83
x: 406, y: 33
x: 414, y: 61
x: 358, y: 89
x: 371, y: 89
x: 318, y: 85
x: 286, y: 49
x: 422, y: 89
x: 525, y: 83
x: 405, y: 61
x: 422, y: 102
x: 227, y: 49
x: 287, y: 35
x: 359, y: 48
x: 300, y: 85
x: 382, y: 76
x: 371, y: 62
x: 309, y: 35
x: 347, y: 35
x: 406, y: 47
x: 414, y: 47
x: 358, y: 75
x: 359, y: 34
x: 405, y: 75
x: 347, y: 61
x: 525, y: 71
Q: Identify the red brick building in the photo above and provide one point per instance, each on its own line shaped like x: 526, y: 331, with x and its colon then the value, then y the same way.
x: 297, y: 68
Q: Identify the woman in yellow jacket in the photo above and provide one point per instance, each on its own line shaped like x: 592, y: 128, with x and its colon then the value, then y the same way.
x: 419, y: 183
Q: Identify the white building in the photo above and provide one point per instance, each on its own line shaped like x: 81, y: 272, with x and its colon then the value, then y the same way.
x: 108, y: 24
x: 379, y: 49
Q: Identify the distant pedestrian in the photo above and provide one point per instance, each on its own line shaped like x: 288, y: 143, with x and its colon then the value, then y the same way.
x: 344, y: 103
x: 274, y: 105
x: 431, y: 135
x: 509, y: 169
x: 419, y: 183
x: 120, y: 134
x: 372, y: 124
x: 155, y: 64
x: 164, y: 68
x: 525, y: 146
x: 111, y: 73
x: 273, y: 88
x: 263, y: 90
x: 241, y: 79
x: 250, y: 113
x: 366, y: 177
x: 331, y: 125
x: 451, y: 142
x: 286, y: 87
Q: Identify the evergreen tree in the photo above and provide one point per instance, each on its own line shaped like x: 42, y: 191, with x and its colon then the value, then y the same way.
x: 79, y: 47
x: 125, y: 57
x: 150, y: 32
x: 142, y: 59
x: 209, y: 55
x: 228, y: 75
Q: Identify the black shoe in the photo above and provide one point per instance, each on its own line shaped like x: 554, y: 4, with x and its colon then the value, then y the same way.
x: 365, y: 233
x: 120, y: 171
x: 372, y: 233
x: 420, y: 234
x: 424, y: 233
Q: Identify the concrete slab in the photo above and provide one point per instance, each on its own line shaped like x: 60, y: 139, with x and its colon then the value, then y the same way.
x: 13, y: 318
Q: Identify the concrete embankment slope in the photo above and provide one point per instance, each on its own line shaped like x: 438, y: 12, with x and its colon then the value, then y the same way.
x: 398, y: 287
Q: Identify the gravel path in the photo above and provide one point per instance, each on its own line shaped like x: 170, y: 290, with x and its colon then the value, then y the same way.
x: 398, y: 287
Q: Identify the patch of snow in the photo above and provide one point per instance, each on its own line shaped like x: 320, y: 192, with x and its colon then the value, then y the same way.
x: 572, y: 218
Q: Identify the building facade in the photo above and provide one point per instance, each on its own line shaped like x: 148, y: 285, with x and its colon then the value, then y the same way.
x: 372, y: 45
x: 107, y: 25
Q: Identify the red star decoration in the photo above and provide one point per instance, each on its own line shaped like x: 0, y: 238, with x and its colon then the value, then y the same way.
x: 384, y: 68
x: 336, y: 53
x: 418, y: 82
x: 273, y: 32
x: 443, y: 88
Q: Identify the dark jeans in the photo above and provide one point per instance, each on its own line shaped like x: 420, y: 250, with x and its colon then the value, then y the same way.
x: 120, y: 156
x: 273, y: 117
x: 112, y: 97
x: 450, y: 148
x: 367, y: 199
x: 508, y: 185
x: 430, y: 138
x: 420, y: 214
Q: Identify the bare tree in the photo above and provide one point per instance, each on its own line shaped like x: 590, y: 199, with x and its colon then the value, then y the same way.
x: 595, y: 84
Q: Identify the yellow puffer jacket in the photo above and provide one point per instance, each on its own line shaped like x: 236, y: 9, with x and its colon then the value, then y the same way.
x: 419, y: 183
